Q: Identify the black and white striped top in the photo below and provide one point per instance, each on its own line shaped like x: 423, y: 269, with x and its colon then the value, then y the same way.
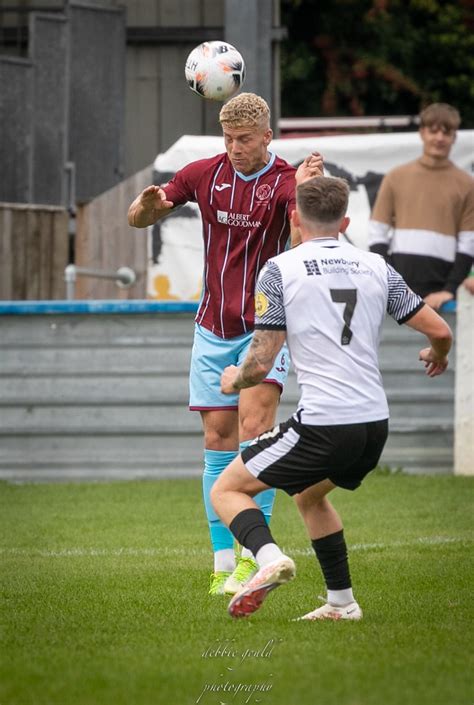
x: 331, y: 298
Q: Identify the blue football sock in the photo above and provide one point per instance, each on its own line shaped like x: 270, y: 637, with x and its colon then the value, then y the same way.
x: 215, y: 461
x: 265, y: 499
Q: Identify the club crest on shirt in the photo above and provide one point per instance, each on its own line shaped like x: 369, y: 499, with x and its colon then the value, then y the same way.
x: 261, y: 304
x: 263, y: 192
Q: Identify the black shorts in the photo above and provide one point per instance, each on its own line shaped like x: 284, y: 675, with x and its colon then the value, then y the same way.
x: 294, y: 456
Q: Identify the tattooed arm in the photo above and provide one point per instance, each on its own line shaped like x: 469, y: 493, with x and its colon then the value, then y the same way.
x: 259, y: 361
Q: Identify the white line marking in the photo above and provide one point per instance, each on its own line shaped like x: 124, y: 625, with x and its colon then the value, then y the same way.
x: 421, y: 541
x: 181, y: 551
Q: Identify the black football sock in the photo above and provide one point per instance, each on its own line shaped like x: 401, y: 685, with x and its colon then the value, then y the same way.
x: 251, y: 530
x: 331, y: 552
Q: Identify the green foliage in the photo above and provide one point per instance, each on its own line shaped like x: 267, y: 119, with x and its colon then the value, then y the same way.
x: 377, y: 57
x: 104, y: 599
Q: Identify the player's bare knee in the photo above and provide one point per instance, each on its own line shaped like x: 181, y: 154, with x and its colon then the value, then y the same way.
x: 217, y: 439
x: 310, y: 501
x: 212, y: 440
x: 253, y: 425
x: 302, y: 502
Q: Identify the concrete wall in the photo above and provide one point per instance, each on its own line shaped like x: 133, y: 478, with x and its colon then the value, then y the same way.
x: 464, y: 391
x: 89, y: 395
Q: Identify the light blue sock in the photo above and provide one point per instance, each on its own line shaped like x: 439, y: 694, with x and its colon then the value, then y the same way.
x: 215, y: 461
x: 265, y: 499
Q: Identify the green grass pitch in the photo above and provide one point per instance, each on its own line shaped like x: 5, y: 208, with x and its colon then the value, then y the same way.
x: 104, y: 601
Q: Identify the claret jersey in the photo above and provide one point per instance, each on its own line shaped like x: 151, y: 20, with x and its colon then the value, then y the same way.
x: 245, y: 222
x: 331, y: 298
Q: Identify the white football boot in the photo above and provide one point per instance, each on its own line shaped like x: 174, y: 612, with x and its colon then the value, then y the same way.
x: 328, y: 611
x: 253, y: 593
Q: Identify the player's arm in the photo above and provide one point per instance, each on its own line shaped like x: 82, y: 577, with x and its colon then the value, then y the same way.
x: 263, y: 350
x: 148, y: 207
x: 407, y: 307
x: 428, y: 322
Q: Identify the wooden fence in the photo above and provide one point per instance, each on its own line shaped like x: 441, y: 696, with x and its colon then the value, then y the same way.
x: 34, y: 250
x: 105, y: 241
x: 34, y: 246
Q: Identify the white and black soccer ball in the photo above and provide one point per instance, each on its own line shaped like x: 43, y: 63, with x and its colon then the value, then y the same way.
x: 215, y: 70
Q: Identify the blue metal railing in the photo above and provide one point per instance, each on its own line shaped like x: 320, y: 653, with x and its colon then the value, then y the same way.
x: 21, y: 308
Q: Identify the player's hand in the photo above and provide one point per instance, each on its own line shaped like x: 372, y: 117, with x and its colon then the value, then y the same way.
x: 438, y: 298
x: 154, y: 198
x: 315, y: 163
x: 434, y: 365
x: 312, y: 166
x: 228, y: 378
x: 148, y: 207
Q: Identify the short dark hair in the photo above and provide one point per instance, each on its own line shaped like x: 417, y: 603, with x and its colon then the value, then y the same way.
x: 323, y: 199
x: 440, y: 115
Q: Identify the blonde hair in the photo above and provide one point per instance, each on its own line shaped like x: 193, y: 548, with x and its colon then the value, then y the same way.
x: 245, y: 110
x: 440, y: 115
x: 323, y: 199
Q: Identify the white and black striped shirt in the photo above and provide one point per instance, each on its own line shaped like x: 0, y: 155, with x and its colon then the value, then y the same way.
x: 331, y: 298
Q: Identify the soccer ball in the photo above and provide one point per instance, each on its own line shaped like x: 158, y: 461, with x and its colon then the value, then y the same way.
x: 215, y: 70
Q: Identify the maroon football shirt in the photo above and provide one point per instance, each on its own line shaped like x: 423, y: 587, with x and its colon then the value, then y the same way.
x: 245, y: 221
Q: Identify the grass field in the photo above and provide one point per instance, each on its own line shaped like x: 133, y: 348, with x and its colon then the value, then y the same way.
x: 104, y: 601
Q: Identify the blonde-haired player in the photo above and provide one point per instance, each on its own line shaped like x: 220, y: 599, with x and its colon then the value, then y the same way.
x: 246, y: 196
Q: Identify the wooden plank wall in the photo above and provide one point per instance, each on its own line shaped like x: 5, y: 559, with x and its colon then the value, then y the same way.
x: 105, y: 241
x: 34, y: 251
x: 160, y: 108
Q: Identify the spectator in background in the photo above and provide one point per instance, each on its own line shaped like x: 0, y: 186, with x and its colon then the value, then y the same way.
x: 423, y: 216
